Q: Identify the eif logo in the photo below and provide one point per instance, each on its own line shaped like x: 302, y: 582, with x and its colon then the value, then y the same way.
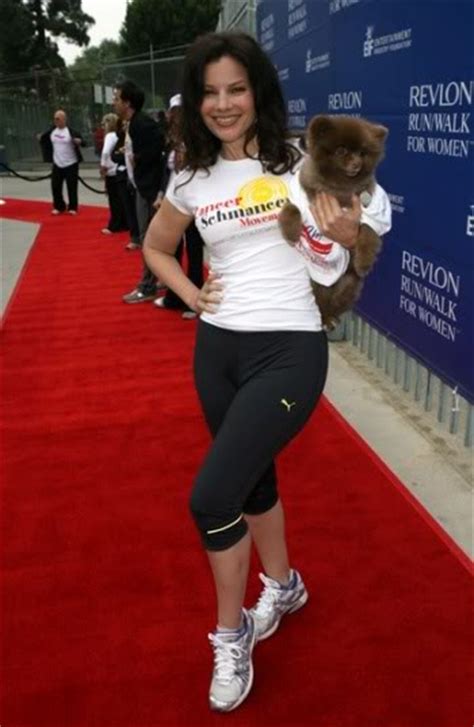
x: 369, y: 42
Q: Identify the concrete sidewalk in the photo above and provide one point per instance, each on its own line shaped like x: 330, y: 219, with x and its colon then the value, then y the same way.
x: 433, y: 468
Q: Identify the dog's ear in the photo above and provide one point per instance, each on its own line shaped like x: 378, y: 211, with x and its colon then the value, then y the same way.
x: 379, y: 132
x: 318, y: 128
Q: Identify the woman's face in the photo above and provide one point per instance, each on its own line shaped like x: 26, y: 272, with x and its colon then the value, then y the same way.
x: 228, y: 105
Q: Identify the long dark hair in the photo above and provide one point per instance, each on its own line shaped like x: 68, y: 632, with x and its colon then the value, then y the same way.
x: 275, y: 151
x: 174, y: 137
x: 174, y: 130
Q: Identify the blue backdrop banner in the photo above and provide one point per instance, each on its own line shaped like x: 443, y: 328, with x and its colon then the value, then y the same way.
x: 407, y: 64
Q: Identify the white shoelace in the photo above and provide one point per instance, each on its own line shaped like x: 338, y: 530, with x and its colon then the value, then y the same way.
x: 269, y: 596
x: 227, y: 654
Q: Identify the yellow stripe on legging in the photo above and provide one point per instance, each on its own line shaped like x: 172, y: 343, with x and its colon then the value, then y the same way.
x: 226, y: 527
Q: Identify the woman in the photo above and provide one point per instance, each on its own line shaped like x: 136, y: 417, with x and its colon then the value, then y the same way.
x: 110, y: 172
x: 192, y: 239
x: 261, y: 353
x: 125, y: 190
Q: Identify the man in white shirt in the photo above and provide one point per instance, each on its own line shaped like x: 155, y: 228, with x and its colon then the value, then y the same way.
x: 60, y: 145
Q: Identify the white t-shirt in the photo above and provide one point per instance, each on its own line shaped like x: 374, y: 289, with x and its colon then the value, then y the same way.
x: 110, y: 141
x: 314, y: 247
x: 170, y: 160
x: 129, y: 158
x: 266, y: 282
x: 64, y: 153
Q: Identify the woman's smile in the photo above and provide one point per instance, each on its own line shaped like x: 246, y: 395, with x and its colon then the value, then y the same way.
x: 228, y: 106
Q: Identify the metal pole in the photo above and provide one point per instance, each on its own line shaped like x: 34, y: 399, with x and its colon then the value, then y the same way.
x: 53, y: 88
x: 37, y: 86
x: 152, y: 65
x: 102, y: 83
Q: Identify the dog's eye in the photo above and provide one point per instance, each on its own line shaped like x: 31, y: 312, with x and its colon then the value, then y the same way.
x: 341, y: 151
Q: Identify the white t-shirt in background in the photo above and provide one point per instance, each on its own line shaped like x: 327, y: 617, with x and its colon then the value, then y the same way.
x: 267, y: 283
x: 110, y: 141
x: 129, y: 158
x: 64, y: 152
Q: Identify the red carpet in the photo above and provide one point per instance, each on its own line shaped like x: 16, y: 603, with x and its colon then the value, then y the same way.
x: 106, y: 595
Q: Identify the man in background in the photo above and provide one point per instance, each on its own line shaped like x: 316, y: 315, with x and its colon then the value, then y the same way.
x: 145, y: 159
x: 60, y: 145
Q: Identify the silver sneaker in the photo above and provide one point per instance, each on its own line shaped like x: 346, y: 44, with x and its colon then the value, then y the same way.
x: 136, y: 296
x: 232, y: 677
x: 275, y: 601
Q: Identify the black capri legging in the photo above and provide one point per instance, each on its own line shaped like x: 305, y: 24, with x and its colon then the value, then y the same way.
x: 256, y: 390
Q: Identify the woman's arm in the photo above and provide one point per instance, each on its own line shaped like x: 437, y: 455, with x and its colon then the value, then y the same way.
x: 323, y: 224
x: 106, y: 163
x: 335, y: 222
x: 109, y: 142
x: 343, y: 225
x: 326, y: 259
x: 162, y: 238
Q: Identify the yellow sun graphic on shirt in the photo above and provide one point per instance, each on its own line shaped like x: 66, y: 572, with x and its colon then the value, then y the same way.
x: 261, y: 191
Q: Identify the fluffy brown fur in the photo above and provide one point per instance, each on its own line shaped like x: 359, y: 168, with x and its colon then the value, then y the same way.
x: 343, y: 153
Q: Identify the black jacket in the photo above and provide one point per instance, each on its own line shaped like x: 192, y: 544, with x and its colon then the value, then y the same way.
x: 149, y: 154
x: 118, y: 157
x: 47, y: 145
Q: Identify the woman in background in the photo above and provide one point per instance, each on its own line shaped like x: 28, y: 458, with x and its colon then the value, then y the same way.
x: 192, y: 240
x: 108, y: 171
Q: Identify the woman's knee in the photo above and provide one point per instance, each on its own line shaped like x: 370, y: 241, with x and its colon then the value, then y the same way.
x: 221, y: 525
x: 261, y: 502
x: 264, y: 495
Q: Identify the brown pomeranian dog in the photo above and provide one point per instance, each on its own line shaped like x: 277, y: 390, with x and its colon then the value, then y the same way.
x: 343, y: 153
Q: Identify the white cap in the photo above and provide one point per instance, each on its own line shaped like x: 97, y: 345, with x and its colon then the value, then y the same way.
x: 174, y: 101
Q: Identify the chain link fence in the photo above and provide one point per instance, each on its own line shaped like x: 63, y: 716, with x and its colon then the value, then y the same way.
x: 27, y: 104
x: 28, y: 101
x: 238, y: 15
x: 158, y: 74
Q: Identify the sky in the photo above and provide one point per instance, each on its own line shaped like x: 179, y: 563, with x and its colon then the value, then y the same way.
x: 108, y: 15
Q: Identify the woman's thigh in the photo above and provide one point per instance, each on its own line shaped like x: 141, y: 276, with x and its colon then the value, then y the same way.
x: 214, y: 375
x: 265, y: 413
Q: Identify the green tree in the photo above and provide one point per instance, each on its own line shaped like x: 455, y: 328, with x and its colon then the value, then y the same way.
x: 28, y: 29
x: 165, y: 23
x: 16, y: 36
x: 87, y: 70
x: 89, y: 64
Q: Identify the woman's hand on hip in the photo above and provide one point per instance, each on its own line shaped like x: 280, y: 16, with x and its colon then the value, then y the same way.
x: 337, y: 223
x: 158, y: 201
x: 210, y: 295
